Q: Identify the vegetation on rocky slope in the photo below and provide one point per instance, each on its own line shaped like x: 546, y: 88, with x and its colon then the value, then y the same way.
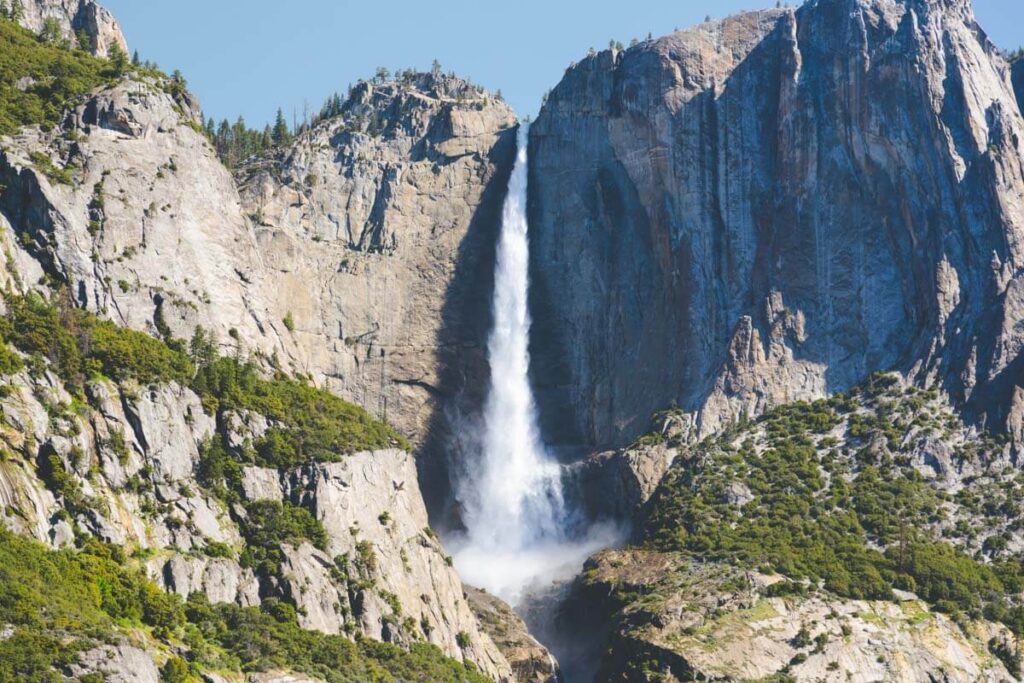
x: 859, y: 495
x: 672, y: 617
x: 100, y: 596
x: 104, y: 597
x: 39, y: 79
x: 78, y: 346
x: 57, y: 604
x: 308, y: 424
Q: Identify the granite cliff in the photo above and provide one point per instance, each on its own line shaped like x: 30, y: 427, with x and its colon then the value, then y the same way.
x: 377, y: 228
x: 772, y: 206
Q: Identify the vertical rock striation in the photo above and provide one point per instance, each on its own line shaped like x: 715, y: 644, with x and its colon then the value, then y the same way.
x: 771, y: 207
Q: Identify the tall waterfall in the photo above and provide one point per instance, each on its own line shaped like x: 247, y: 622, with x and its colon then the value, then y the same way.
x: 511, y: 494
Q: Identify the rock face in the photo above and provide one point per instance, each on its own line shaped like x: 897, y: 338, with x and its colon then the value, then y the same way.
x: 530, y: 661
x: 378, y: 230
x: 376, y: 521
x: 118, y: 664
x: 149, y: 232
x: 374, y: 244
x: 769, y: 208
x: 360, y: 256
x: 75, y: 16
x: 693, y: 624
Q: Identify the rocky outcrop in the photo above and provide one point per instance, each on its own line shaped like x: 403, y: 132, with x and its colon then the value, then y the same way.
x: 118, y: 664
x: 674, y: 620
x: 400, y: 585
x: 613, y: 486
x: 772, y: 206
x: 125, y: 468
x: 75, y: 17
x: 378, y: 229
x: 530, y: 661
x: 219, y: 579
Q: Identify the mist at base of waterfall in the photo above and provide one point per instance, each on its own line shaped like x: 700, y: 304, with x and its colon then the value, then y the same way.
x: 513, y: 574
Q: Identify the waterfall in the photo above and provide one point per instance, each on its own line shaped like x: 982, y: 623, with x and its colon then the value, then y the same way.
x: 516, y: 521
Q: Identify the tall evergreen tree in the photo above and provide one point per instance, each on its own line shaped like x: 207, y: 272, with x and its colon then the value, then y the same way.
x: 118, y: 58
x: 52, y: 31
x: 281, y: 133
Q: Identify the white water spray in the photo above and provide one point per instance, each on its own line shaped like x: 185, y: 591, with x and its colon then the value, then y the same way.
x: 513, y: 510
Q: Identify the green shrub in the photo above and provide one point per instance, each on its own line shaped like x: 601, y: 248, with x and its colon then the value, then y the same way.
x: 175, y: 670
x: 269, y: 524
x: 79, y: 345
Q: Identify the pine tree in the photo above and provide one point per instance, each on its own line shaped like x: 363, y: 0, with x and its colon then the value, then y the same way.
x: 118, y: 59
x: 223, y: 142
x: 136, y: 59
x: 281, y: 134
x: 52, y: 31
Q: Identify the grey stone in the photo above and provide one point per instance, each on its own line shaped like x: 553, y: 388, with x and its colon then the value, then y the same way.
x: 370, y: 503
x: 261, y: 483
x: 118, y: 664
x: 219, y: 579
x: 73, y: 16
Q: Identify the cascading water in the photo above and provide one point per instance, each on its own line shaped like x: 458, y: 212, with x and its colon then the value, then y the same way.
x: 517, y: 525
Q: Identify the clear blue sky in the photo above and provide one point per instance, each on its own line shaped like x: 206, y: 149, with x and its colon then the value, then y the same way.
x: 250, y: 56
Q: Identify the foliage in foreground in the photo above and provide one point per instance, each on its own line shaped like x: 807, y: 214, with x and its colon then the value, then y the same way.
x: 60, y: 603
